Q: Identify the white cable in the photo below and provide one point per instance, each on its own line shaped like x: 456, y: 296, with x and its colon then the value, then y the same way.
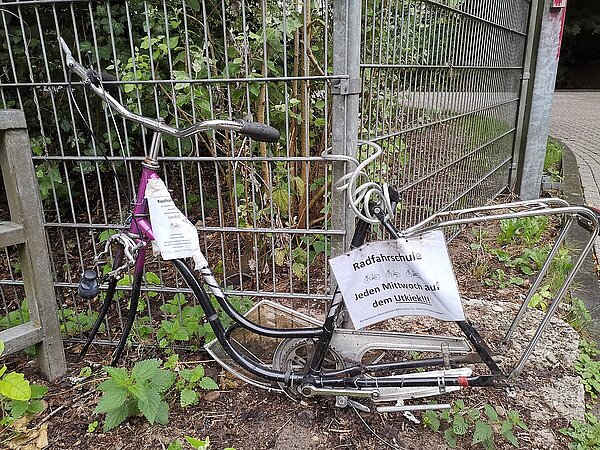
x: 367, y: 191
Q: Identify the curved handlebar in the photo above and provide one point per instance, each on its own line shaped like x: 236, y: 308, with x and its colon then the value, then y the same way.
x: 254, y: 130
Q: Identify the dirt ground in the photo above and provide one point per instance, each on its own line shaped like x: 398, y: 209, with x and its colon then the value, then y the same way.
x: 547, y: 394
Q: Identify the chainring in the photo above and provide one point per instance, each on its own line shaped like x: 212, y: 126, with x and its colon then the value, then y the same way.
x: 292, y: 356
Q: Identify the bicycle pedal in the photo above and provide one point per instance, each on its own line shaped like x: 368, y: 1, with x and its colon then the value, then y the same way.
x: 358, y: 406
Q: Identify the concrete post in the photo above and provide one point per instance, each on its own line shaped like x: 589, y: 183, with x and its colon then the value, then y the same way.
x: 533, y: 146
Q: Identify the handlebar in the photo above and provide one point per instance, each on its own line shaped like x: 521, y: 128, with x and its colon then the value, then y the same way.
x: 255, y: 130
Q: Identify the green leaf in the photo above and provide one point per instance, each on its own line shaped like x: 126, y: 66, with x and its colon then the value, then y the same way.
x: 118, y: 374
x: 197, y: 443
x: 152, y: 278
x: 92, y: 426
x: 85, y: 372
x: 186, y: 374
x: 38, y: 390
x: 482, y: 433
x: 194, y: 4
x: 451, y: 438
x: 18, y: 408
x: 188, y: 397
x: 510, y: 437
x: 173, y: 41
x: 163, y: 380
x: 208, y: 383
x: 15, y: 387
x: 1, y: 347
x: 459, y: 425
x: 474, y: 414
x: 115, y: 417
x: 175, y: 445
x: 149, y: 404
x: 430, y: 420
x: 162, y: 416
x: 146, y: 370
x: 35, y: 406
x: 196, y: 374
x: 490, y: 412
x: 109, y: 384
x: 2, y: 369
x: 112, y: 399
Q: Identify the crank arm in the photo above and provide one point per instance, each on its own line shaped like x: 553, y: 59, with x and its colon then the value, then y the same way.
x: 310, y: 391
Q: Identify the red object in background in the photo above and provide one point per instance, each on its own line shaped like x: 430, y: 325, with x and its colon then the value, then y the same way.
x: 558, y: 8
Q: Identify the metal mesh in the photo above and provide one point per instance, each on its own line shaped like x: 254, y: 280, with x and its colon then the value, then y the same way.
x: 264, y: 225
x: 440, y: 84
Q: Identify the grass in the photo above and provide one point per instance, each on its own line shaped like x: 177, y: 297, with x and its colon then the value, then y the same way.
x: 553, y: 159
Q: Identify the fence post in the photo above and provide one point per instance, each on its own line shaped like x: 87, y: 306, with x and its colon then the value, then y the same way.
x: 26, y: 231
x: 345, y: 106
x: 536, y: 123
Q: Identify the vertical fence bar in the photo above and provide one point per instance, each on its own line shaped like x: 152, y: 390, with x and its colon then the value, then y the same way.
x: 345, y: 107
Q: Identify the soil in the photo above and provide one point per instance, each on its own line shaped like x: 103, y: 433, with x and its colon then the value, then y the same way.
x: 547, y: 394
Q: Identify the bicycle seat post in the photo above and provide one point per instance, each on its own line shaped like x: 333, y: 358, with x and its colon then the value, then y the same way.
x: 152, y: 153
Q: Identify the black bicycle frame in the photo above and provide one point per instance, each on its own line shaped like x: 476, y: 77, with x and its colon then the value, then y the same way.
x: 349, y: 377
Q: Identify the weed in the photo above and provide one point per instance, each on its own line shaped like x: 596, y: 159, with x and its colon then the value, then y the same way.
x: 184, y: 323
x: 141, y: 391
x: 588, y: 368
x: 190, y: 381
x: 18, y: 317
x: 585, y: 435
x: 500, y: 279
x: 578, y: 316
x: 18, y: 397
x: 541, y: 299
x: 72, y: 323
x: 553, y: 159
x: 460, y: 421
x: 524, y: 229
x: 195, y: 443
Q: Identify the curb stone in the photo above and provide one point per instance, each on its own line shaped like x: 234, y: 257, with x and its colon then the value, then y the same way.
x: 586, y: 284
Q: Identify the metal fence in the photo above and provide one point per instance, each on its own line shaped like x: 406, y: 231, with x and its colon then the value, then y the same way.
x: 435, y: 83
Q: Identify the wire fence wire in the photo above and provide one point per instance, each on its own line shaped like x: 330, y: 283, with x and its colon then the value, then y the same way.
x: 440, y: 90
x: 441, y: 87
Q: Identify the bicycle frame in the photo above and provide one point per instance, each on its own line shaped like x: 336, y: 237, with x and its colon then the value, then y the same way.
x: 140, y: 230
x: 355, y: 380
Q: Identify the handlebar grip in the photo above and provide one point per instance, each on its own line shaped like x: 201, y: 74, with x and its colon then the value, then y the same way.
x: 259, y: 131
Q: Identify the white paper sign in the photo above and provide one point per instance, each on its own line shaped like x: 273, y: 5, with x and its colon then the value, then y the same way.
x: 174, y: 235
x: 385, y: 279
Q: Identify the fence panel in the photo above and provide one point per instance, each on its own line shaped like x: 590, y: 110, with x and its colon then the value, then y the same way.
x: 265, y: 226
x: 440, y: 89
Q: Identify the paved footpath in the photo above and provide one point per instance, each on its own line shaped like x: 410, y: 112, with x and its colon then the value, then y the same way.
x: 576, y: 122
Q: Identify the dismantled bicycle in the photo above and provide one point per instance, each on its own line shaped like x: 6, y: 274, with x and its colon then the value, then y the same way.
x: 314, y: 358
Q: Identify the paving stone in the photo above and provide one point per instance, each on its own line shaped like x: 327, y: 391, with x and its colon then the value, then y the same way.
x: 576, y: 122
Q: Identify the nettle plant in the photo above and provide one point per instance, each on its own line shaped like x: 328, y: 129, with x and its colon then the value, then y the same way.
x: 128, y: 394
x: 461, y: 422
x: 190, y: 382
x: 146, y: 388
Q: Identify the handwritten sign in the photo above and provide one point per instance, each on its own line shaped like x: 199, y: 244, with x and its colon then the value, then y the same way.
x: 174, y: 235
x: 385, y: 279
